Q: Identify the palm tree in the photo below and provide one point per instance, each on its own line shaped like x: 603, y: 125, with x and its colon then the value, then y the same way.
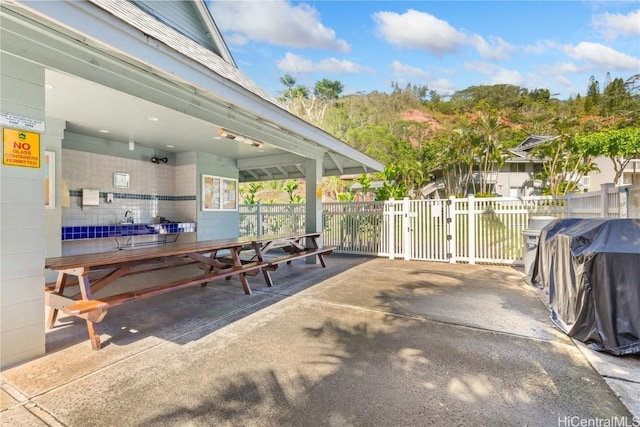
x: 492, y: 157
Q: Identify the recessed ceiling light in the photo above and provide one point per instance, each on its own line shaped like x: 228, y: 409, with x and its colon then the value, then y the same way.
x: 171, y: 146
x: 153, y: 119
x: 103, y: 131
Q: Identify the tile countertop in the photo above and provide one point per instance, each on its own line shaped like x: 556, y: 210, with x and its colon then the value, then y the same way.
x: 123, y: 230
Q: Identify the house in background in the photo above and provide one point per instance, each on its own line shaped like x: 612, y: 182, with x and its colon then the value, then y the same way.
x: 516, y: 178
x: 630, y: 176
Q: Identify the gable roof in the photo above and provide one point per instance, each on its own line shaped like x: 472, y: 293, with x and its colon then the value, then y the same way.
x: 224, y: 65
x: 192, y: 19
x: 139, y: 53
x: 340, y: 157
x: 531, y: 142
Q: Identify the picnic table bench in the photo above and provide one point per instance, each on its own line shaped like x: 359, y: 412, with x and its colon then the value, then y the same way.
x: 115, y: 265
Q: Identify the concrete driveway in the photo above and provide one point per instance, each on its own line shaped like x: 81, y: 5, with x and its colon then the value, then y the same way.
x: 363, y: 342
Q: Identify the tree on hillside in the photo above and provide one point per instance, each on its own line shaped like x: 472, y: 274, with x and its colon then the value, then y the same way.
x: 455, y: 153
x: 249, y: 192
x: 293, y: 90
x: 593, y: 95
x: 290, y: 187
x: 615, y: 98
x: 563, y: 162
x: 392, y: 186
x: 326, y: 89
x: 619, y: 145
x: 377, y: 141
x: 365, y: 182
x: 493, y: 151
x: 500, y: 96
x: 310, y: 108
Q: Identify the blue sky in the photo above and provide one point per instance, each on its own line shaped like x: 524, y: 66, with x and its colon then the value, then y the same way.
x: 445, y: 45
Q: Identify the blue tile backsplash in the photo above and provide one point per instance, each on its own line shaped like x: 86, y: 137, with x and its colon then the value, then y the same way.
x: 103, y: 195
x: 123, y: 230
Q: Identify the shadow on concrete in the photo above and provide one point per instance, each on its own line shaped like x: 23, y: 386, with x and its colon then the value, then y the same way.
x: 361, y: 343
x: 418, y: 374
x: 177, y: 313
x: 400, y: 369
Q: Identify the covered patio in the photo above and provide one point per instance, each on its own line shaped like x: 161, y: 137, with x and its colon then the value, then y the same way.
x: 365, y: 341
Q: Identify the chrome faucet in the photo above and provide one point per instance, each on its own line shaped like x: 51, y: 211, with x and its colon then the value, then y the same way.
x: 128, y: 217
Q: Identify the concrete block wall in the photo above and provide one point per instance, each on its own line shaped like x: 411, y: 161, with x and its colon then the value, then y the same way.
x: 215, y: 224
x: 22, y: 223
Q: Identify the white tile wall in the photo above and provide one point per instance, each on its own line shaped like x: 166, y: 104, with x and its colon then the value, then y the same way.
x: 89, y: 170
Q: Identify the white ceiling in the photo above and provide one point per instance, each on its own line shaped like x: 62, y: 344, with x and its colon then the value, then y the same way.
x: 88, y: 107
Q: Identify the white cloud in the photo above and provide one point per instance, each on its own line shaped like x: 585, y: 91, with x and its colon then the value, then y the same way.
x: 419, y: 30
x: 568, y: 67
x: 540, y: 47
x: 497, y: 75
x: 277, y: 22
x: 292, y: 63
x: 403, y: 70
x: 495, y: 49
x: 612, y: 25
x: 604, y: 56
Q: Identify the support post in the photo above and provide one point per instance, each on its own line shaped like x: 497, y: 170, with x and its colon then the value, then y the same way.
x: 259, y: 230
x: 313, y: 201
x: 451, y: 237
x: 391, y: 229
x: 406, y: 228
x: 472, y: 228
x: 604, y: 199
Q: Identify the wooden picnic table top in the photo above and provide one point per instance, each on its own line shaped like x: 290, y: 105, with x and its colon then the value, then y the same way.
x: 104, y: 259
x: 273, y: 237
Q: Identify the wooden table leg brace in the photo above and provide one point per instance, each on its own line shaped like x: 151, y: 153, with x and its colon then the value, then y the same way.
x: 57, y: 301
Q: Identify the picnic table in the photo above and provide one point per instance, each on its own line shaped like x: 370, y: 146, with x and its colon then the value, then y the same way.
x: 220, y: 258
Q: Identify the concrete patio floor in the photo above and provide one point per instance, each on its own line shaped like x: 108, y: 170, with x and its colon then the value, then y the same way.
x: 363, y: 342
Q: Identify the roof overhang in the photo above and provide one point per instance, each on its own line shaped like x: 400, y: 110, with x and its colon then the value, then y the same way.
x: 121, y: 57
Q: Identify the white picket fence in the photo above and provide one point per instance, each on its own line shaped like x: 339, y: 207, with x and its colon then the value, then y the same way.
x: 473, y: 230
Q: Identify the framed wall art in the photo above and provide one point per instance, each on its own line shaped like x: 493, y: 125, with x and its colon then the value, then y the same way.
x: 219, y: 194
x: 120, y: 180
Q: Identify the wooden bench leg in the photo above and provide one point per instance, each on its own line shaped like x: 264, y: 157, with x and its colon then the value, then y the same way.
x: 237, y: 262
x: 260, y: 258
x: 94, y: 337
x: 61, y: 281
x: 321, y: 258
x: 267, y: 277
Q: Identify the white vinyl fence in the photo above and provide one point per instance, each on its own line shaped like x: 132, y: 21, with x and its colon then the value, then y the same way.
x: 483, y: 230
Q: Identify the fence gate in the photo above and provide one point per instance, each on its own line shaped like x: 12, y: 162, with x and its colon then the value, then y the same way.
x: 417, y: 230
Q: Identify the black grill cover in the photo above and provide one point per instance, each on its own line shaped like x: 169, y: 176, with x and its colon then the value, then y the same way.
x: 592, y: 270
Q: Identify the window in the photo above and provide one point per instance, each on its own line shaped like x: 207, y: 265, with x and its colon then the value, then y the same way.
x: 537, y: 168
x: 585, y: 181
x: 516, y: 167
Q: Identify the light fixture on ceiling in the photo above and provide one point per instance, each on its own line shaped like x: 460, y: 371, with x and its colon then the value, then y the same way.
x: 240, y: 138
x: 132, y: 145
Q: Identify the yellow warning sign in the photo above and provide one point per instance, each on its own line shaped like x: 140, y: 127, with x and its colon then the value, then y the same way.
x: 20, y: 148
